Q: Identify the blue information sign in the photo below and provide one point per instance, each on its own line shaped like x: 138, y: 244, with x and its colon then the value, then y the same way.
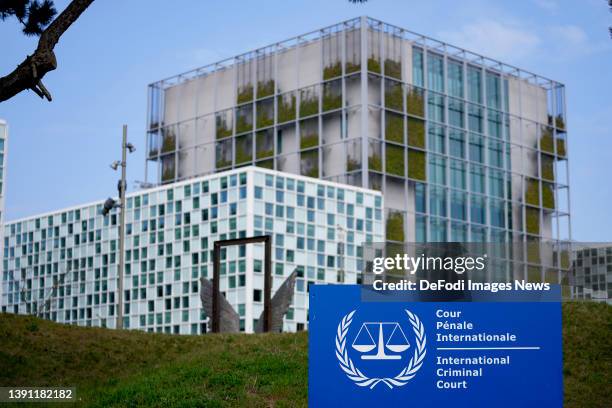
x: 432, y: 354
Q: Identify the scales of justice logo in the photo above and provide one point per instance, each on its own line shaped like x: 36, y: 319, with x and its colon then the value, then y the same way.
x: 381, y: 341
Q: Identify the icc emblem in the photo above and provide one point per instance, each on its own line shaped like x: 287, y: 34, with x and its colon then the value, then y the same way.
x: 381, y: 341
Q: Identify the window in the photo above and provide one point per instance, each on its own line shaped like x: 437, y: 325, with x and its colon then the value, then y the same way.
x: 417, y: 67
x: 493, y: 91
x: 455, y: 78
x: 474, y: 84
x: 456, y: 143
x: 435, y: 72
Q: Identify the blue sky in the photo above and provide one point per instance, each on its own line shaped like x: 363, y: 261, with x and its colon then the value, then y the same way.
x: 59, y: 152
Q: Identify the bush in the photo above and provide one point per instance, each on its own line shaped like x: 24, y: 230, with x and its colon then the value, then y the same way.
x: 310, y: 140
x: 223, y: 163
x: 245, y: 94
x: 532, y: 192
x: 263, y: 120
x: 352, y: 67
x: 374, y: 162
x: 286, y: 111
x: 546, y: 140
x: 394, y: 97
x: 561, y: 147
x: 559, y: 122
x: 373, y: 65
x: 332, y: 71
x: 351, y: 164
x: 416, y: 165
x: 416, y: 133
x: 243, y: 150
x: 394, y: 127
x: 168, y: 142
x: 415, y: 104
x: 393, y: 68
x: 265, y: 88
x: 395, y: 226
x: 309, y: 163
x: 266, y: 164
x: 331, y: 101
x: 168, y: 174
x: 394, y: 160
x: 242, y: 125
x: 548, y: 196
x: 309, y: 106
x: 223, y: 130
x: 547, y: 167
x: 532, y: 221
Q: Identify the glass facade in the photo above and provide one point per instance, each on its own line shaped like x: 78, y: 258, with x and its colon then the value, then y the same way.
x: 463, y: 147
x: 63, y: 265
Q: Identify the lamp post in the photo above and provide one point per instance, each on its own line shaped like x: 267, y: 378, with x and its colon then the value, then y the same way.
x: 109, y: 204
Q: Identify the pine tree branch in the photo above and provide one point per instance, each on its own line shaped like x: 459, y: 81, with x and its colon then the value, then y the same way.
x: 29, y: 73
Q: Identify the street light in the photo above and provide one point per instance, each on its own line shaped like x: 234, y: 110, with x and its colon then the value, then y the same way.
x: 110, y: 204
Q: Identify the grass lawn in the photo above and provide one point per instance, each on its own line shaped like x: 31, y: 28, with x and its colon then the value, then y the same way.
x: 132, y: 368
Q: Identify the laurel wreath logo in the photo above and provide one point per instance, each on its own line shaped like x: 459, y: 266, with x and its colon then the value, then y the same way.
x: 362, y: 380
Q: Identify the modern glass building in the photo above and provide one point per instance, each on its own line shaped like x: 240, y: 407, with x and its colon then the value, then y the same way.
x: 63, y: 265
x: 592, y: 270
x: 463, y: 147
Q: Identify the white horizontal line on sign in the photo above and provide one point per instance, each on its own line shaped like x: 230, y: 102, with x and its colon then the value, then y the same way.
x: 488, y: 348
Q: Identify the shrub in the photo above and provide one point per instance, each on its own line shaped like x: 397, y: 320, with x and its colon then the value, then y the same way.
x: 245, y: 94
x: 416, y: 133
x: 332, y: 71
x: 395, y: 226
x: 394, y: 97
x: 374, y: 162
x: 532, y: 192
x: 394, y: 160
x: 309, y: 106
x: 263, y: 119
x: 286, y: 110
x: 559, y: 122
x: 266, y: 164
x: 331, y: 101
x: 415, y: 104
x: 243, y: 150
x: 168, y: 174
x: 221, y: 162
x: 265, y: 146
x: 351, y: 164
x: 309, y: 140
x: 561, y: 147
x: 223, y: 130
x: 352, y: 67
x: 242, y: 125
x: 548, y: 196
x: 547, y: 166
x: 532, y: 221
x: 168, y: 142
x: 546, y: 140
x: 309, y: 163
x: 394, y: 127
x: 393, y: 68
x: 373, y: 64
x: 416, y: 165
x: 265, y: 88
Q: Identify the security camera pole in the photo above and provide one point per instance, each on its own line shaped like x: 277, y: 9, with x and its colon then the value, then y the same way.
x: 122, y: 187
x: 109, y: 204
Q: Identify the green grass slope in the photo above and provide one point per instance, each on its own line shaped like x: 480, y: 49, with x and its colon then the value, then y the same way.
x: 130, y: 368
